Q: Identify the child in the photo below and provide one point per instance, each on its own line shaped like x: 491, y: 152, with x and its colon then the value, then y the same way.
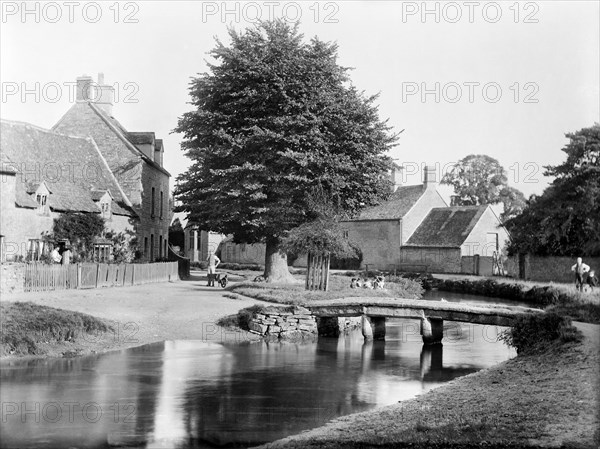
x: 592, y: 280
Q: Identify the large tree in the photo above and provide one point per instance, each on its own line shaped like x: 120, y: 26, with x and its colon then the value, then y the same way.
x: 274, y: 117
x: 480, y: 179
x: 565, y: 219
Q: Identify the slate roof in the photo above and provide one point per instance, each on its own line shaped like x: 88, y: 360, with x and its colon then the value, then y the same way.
x: 70, y: 166
x: 446, y: 226
x: 130, y: 139
x: 397, y: 206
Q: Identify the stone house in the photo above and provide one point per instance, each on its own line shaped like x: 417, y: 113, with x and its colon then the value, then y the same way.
x: 197, y: 243
x: 88, y: 162
x: 45, y: 174
x: 415, y: 230
x: 135, y: 159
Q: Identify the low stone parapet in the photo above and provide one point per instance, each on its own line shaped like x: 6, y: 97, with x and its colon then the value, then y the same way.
x: 284, y: 322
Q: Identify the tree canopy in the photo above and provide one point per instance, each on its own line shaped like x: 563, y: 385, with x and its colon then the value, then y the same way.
x: 80, y: 229
x: 565, y: 219
x: 480, y: 179
x: 273, y: 118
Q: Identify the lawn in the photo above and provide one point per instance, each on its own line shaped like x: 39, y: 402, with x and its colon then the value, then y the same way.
x: 339, y: 287
x: 29, y: 329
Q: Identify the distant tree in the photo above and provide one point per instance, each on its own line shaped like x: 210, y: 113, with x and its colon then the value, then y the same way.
x: 176, y: 234
x: 275, y: 117
x: 565, y: 219
x: 80, y: 229
x: 514, y: 202
x: 477, y: 179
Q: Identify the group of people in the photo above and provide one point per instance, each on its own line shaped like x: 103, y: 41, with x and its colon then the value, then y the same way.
x: 584, y: 275
x: 61, y: 254
x: 377, y: 283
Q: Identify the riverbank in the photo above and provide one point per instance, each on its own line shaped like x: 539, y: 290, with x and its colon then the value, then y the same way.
x: 138, y: 315
x: 544, y: 400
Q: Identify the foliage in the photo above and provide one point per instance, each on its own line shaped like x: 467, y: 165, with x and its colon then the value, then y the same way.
x: 176, y: 234
x: 514, y: 203
x: 565, y: 219
x: 536, y: 333
x: 79, y: 229
x: 125, y: 246
x: 321, y: 236
x: 477, y: 179
x: 274, y: 117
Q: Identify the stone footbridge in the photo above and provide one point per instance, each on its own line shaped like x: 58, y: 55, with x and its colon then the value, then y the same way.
x: 432, y: 314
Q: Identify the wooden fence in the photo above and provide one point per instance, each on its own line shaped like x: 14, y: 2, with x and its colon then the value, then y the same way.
x: 43, y: 277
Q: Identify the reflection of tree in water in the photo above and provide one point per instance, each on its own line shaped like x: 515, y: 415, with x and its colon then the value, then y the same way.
x: 274, y: 390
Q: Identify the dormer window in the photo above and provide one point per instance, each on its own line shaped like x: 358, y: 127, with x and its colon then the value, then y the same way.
x: 41, y: 197
x: 105, y: 208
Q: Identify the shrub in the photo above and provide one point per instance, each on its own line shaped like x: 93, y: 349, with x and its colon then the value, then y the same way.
x: 538, y: 333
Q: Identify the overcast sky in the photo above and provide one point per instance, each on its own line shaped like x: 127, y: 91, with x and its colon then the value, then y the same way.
x: 505, y: 79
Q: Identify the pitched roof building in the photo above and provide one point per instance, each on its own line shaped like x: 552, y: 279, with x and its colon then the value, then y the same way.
x: 87, y: 163
x: 415, y: 230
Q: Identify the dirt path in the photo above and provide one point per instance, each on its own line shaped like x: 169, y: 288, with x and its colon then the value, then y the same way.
x: 147, y: 313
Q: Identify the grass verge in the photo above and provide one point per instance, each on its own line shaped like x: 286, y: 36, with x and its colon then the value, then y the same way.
x: 27, y: 328
x: 339, y: 287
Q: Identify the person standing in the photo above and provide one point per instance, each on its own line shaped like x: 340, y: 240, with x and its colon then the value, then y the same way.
x: 213, y: 263
x: 66, y: 256
x: 55, y: 255
x: 580, y: 269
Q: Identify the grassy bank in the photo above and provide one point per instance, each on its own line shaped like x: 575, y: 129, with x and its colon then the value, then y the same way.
x: 547, y: 398
x: 30, y: 329
x: 564, y: 300
x: 339, y: 287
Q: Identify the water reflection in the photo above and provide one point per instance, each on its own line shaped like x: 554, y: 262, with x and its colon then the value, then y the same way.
x: 199, y: 394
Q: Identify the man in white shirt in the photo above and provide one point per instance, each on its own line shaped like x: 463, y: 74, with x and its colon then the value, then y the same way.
x: 213, y: 263
x: 580, y: 269
x: 55, y: 255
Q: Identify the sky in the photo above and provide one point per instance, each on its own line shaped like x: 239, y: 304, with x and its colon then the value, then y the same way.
x: 507, y: 79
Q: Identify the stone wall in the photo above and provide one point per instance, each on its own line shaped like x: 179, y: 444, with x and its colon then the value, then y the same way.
x: 284, y: 322
x: 436, y: 260
x: 378, y: 240
x: 549, y: 269
x: 12, y: 277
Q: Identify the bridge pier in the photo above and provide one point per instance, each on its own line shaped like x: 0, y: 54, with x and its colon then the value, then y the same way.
x: 432, y: 330
x: 373, y: 327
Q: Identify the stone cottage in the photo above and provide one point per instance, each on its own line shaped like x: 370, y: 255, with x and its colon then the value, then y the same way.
x: 135, y: 159
x: 415, y: 230
x: 88, y: 162
x: 45, y: 174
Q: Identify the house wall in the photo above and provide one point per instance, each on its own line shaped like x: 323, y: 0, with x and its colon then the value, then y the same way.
x: 379, y: 241
x: 477, y: 243
x: 243, y: 253
x: 414, y: 217
x: 153, y: 225
x: 431, y: 259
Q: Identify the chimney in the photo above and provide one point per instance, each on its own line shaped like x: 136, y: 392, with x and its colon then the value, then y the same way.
x: 158, y: 152
x: 105, y: 96
x: 84, y: 86
x: 396, y: 176
x: 429, y: 178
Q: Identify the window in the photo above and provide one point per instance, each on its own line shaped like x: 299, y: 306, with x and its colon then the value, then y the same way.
x: 166, y: 253
x: 151, y: 256
x: 102, y: 252
x: 191, y: 239
x: 153, y: 200
x: 105, y: 208
x: 34, y: 249
x: 145, y: 246
x: 160, y: 247
x: 42, y: 200
x: 161, y: 204
x: 345, y: 234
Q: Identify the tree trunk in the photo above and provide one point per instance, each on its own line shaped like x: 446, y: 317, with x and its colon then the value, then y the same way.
x: 276, y: 268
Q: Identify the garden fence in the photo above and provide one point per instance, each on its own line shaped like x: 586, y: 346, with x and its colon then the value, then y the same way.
x: 43, y: 277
